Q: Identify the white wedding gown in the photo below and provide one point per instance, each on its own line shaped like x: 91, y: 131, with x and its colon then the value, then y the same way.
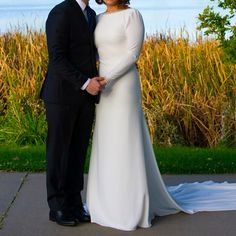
x: 125, y: 189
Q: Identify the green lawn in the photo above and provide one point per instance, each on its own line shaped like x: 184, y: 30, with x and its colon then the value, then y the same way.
x: 174, y: 160
x: 185, y: 160
x: 27, y: 158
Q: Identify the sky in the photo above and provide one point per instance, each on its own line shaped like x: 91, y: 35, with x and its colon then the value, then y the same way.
x: 143, y: 3
x: 158, y: 15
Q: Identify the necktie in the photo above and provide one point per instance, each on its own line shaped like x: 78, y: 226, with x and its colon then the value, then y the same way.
x: 88, y: 16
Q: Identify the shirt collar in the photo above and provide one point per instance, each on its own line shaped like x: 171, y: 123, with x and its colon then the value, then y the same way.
x: 81, y: 4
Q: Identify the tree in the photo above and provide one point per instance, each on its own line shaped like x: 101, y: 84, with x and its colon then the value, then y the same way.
x: 221, y: 26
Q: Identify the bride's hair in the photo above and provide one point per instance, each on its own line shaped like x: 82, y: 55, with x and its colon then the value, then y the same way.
x: 121, y: 2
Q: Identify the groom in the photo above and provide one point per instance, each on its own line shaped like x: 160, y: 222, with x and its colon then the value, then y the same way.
x: 69, y: 92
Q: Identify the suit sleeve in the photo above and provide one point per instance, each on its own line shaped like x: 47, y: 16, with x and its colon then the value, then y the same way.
x: 134, y: 35
x: 57, y: 31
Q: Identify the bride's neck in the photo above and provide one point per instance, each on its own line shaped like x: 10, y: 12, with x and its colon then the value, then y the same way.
x: 115, y: 8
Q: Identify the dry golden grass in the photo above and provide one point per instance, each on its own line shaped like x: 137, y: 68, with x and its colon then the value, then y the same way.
x: 188, y: 90
x: 23, y: 61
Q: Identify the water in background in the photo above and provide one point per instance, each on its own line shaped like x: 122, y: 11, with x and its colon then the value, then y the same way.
x: 158, y: 15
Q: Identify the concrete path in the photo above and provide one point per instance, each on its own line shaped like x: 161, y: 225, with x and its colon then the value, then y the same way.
x: 24, y: 212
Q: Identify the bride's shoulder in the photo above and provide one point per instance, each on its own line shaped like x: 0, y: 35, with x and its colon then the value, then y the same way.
x: 131, y: 9
x: 133, y: 12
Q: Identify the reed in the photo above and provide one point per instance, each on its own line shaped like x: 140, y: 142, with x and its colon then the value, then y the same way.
x: 23, y: 61
x: 188, y: 90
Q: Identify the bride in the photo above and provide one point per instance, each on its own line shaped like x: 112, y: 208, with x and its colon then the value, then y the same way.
x: 125, y: 189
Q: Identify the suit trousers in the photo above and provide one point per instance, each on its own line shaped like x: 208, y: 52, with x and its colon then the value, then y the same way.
x: 69, y: 129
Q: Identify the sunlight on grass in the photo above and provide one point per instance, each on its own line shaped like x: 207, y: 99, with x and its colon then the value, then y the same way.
x: 189, y: 92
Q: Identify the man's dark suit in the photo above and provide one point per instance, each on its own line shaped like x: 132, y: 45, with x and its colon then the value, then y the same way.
x: 69, y: 110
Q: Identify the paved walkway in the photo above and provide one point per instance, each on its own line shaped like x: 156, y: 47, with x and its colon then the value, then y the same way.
x: 24, y: 212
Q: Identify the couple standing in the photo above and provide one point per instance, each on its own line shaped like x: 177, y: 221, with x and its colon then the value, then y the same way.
x: 125, y: 189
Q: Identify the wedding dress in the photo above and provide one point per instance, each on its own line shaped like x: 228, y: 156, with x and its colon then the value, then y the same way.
x: 125, y: 189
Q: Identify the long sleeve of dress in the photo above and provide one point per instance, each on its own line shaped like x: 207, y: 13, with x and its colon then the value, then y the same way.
x: 134, y: 37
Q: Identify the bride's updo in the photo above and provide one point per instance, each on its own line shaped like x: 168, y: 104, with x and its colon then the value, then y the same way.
x: 121, y: 2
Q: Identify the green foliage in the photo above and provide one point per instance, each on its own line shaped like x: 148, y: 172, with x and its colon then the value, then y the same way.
x: 221, y: 26
x: 23, y: 127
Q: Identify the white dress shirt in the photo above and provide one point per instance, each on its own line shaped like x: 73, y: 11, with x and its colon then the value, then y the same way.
x: 83, y: 6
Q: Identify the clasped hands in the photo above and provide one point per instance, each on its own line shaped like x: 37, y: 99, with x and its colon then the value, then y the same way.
x: 96, y: 85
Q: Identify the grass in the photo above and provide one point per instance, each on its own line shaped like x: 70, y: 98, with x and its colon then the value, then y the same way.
x: 186, y: 160
x: 189, y: 98
x: 188, y: 90
x: 26, y: 158
x: 172, y: 160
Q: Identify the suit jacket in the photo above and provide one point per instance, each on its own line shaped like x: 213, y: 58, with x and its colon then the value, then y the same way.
x: 72, y: 54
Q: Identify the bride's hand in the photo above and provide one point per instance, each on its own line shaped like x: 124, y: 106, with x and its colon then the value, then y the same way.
x: 94, y: 86
x: 103, y: 83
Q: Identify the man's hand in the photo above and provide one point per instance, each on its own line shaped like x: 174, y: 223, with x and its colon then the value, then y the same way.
x: 94, y: 85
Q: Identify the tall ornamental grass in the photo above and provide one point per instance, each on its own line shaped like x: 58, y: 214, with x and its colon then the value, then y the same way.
x: 188, y: 90
x: 23, y: 61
